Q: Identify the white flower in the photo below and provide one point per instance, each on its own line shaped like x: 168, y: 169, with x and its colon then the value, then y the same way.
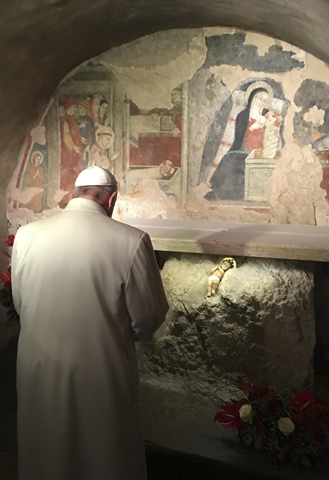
x: 246, y: 412
x: 286, y: 426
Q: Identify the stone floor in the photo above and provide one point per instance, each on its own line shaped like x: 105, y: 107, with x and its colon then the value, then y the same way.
x: 183, y: 443
x: 181, y: 434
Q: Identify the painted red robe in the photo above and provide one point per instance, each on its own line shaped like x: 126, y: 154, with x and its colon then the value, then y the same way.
x: 71, y: 161
x: 254, y: 138
x: 177, y: 115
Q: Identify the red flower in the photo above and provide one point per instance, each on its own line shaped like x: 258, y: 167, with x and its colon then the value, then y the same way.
x: 305, y: 406
x: 310, y: 418
x: 228, y: 417
x: 10, y: 241
x: 310, y: 414
x: 303, y: 400
x: 298, y: 418
x: 5, y: 277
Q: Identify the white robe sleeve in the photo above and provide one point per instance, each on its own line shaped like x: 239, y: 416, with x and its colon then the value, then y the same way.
x: 14, y: 278
x: 144, y: 293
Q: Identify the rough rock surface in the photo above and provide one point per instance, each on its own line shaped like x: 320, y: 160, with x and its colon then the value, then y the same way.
x: 293, y: 189
x: 262, y: 316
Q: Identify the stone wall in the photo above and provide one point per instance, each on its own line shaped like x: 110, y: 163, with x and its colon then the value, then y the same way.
x: 261, y: 316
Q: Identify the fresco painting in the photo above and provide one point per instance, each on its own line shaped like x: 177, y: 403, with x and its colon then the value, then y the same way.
x: 246, y: 133
x: 155, y: 147
x: 204, y: 142
x: 85, y: 138
x: 35, y: 179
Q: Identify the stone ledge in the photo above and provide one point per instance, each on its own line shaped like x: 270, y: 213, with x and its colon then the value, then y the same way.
x: 291, y: 242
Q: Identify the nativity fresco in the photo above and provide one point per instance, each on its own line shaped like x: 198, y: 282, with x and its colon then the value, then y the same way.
x: 242, y: 143
x: 215, y: 124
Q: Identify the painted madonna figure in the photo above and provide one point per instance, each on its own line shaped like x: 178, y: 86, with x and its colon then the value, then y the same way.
x: 254, y: 124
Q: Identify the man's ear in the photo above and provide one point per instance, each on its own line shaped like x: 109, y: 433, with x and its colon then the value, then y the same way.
x: 112, y: 199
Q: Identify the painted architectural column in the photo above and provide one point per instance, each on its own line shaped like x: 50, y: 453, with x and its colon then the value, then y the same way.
x: 184, y: 147
x: 54, y: 155
x: 126, y: 120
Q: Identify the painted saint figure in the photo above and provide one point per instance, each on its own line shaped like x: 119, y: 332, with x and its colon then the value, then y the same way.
x: 148, y: 176
x: 98, y: 154
x: 71, y: 147
x: 94, y: 109
x: 104, y: 119
x: 176, y: 112
x: 87, y: 130
x: 35, y: 180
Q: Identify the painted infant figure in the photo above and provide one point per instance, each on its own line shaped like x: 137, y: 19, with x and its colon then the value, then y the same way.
x: 271, y: 142
x: 217, y: 273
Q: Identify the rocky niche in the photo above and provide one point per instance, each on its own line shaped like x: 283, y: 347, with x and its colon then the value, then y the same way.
x: 261, y: 317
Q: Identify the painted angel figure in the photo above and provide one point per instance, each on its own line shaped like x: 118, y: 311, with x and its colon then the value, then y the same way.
x: 217, y: 273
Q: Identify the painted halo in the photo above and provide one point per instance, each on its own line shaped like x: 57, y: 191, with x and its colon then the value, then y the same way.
x: 231, y: 260
x: 36, y: 154
x: 259, y: 84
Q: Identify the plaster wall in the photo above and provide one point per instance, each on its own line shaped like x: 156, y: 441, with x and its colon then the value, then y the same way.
x: 213, y: 124
x: 42, y: 40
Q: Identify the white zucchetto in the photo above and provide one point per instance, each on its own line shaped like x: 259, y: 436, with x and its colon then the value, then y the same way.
x: 95, y: 176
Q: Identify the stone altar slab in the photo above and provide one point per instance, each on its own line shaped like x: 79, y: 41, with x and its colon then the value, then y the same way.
x: 294, y: 242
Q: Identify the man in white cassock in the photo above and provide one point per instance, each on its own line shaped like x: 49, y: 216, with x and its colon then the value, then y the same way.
x: 86, y: 288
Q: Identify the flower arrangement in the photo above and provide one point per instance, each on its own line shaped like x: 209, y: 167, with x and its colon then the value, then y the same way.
x: 284, y: 427
x: 6, y: 297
